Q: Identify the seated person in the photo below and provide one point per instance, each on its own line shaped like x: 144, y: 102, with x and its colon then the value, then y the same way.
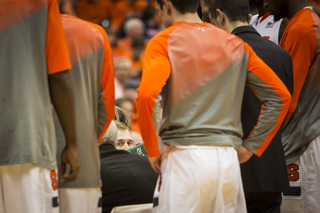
x: 125, y: 140
x: 126, y: 178
x: 130, y: 93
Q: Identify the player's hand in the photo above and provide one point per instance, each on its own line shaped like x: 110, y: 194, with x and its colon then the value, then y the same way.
x: 244, y: 154
x: 156, y: 161
x: 69, y: 156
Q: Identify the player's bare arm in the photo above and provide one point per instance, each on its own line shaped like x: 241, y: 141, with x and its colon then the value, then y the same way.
x: 283, y: 27
x: 63, y: 100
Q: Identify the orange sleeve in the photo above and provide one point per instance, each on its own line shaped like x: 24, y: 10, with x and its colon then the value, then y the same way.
x: 156, y: 71
x: 301, y: 44
x: 275, y: 99
x: 56, y: 47
x: 107, y: 81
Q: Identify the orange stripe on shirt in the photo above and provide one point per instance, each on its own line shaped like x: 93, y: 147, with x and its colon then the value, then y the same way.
x: 263, y: 72
x: 56, y: 50
x: 156, y: 71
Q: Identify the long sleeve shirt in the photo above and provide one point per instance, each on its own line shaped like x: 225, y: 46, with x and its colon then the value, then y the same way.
x: 201, y: 72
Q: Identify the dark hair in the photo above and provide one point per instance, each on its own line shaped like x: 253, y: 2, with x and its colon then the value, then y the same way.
x: 183, y: 6
x: 235, y: 10
x: 148, y: 13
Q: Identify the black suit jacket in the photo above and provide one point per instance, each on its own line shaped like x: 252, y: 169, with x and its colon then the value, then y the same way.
x: 126, y: 178
x: 268, y: 172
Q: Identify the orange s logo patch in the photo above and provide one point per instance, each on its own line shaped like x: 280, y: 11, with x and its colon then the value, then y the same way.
x: 160, y: 183
x: 54, y: 180
x: 293, y: 173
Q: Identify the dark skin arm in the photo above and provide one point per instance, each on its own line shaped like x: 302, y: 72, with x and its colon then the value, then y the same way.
x: 63, y: 100
x: 283, y: 27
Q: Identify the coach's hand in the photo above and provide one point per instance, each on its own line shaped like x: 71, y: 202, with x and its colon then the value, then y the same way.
x: 244, y: 154
x: 156, y: 161
x: 69, y: 156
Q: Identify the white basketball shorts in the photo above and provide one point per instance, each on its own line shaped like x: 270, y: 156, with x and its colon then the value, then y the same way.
x: 304, y: 176
x: 200, y: 179
x: 80, y: 200
x: 28, y: 188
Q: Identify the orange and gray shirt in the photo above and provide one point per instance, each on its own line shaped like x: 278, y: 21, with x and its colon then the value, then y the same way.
x: 201, y: 72
x: 302, y: 40
x: 93, y: 78
x: 33, y: 45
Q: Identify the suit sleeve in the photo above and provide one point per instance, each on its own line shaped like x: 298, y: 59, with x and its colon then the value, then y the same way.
x: 156, y: 71
x: 107, y: 96
x: 275, y: 99
x: 301, y: 44
x: 56, y: 47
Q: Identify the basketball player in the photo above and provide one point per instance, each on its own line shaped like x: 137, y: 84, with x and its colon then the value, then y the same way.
x: 93, y: 77
x: 34, y: 59
x: 264, y: 23
x: 201, y: 71
x: 300, y: 136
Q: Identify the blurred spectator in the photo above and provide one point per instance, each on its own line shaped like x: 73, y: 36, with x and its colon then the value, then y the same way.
x: 130, y: 93
x: 138, y: 47
x: 130, y: 90
x: 133, y: 27
x: 112, y: 35
x: 150, y: 20
x: 126, y: 105
x: 122, y: 73
x: 126, y: 8
x: 124, y: 137
x: 126, y: 178
x: 137, y: 75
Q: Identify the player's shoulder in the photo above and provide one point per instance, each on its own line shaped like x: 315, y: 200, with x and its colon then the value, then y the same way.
x: 160, y: 41
x: 75, y: 22
x: 81, y: 28
x: 303, y: 23
x: 164, y: 34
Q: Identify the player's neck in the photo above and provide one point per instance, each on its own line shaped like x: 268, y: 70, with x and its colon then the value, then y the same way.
x: 236, y: 24
x: 295, y: 6
x: 188, y: 17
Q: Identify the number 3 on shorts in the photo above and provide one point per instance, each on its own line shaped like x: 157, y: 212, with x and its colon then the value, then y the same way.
x: 293, y: 173
x: 53, y: 175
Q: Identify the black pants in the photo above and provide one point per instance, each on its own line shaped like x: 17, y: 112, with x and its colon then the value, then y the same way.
x: 263, y: 202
